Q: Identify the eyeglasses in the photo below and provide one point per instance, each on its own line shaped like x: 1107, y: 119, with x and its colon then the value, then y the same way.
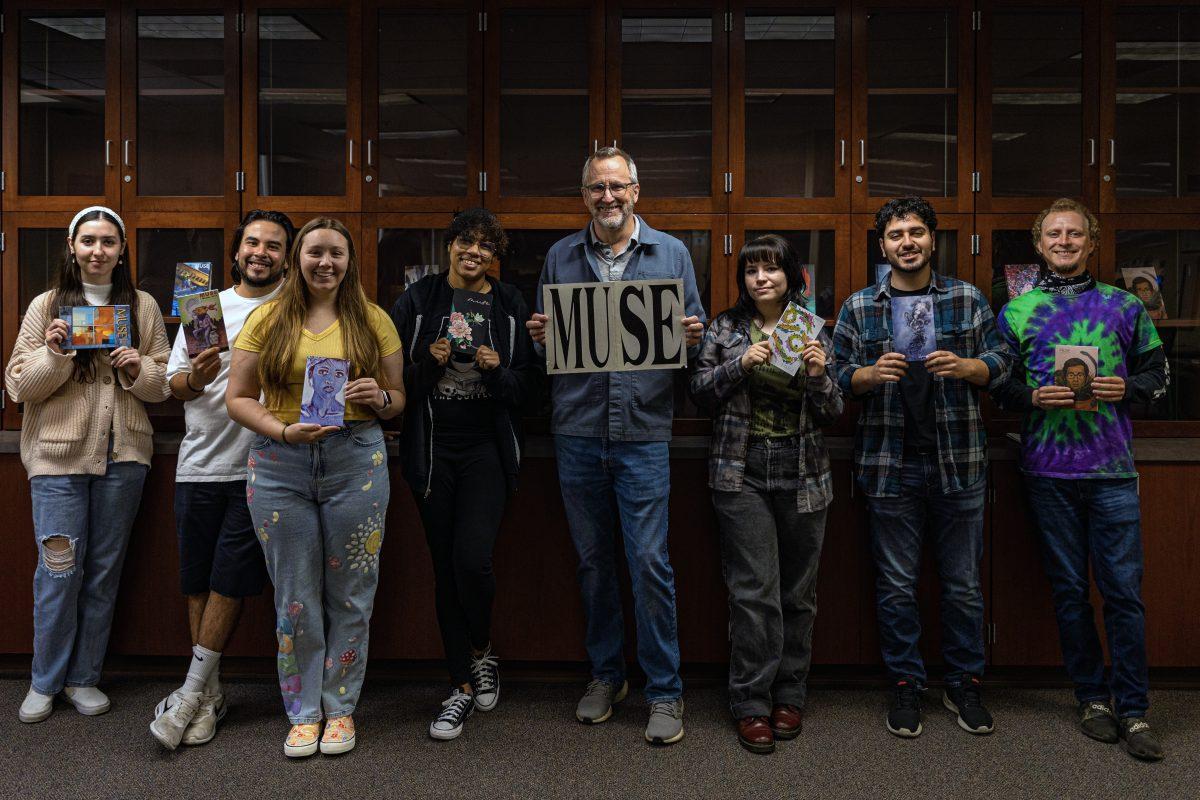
x: 486, y: 249
x: 616, y: 189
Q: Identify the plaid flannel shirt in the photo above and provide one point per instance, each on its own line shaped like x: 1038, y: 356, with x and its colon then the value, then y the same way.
x: 721, y: 385
x: 966, y: 327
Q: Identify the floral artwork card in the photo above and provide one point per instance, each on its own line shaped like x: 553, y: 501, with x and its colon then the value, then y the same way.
x: 797, y: 326
x: 1075, y: 366
x: 324, y: 399
x: 1021, y: 278
x: 96, y: 327
x: 912, y: 326
x: 202, y: 322
x: 470, y: 322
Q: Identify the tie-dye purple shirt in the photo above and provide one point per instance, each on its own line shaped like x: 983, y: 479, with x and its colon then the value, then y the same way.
x: 1065, y: 443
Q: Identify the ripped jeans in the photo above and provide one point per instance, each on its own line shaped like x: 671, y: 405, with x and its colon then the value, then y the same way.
x: 75, y: 591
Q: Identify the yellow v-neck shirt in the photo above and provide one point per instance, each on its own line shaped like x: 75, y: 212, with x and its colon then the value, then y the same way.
x: 326, y: 344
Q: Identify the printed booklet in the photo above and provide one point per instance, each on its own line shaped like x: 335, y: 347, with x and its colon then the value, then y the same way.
x: 96, y: 327
x: 797, y: 327
x: 190, y: 277
x: 324, y: 399
x: 469, y: 324
x: 202, y: 322
x: 912, y: 326
x: 1074, y: 367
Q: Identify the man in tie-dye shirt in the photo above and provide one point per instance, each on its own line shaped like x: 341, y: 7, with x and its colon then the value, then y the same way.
x: 1079, y: 466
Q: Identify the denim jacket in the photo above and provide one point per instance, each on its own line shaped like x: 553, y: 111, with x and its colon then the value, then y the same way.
x: 635, y: 406
x: 720, y: 385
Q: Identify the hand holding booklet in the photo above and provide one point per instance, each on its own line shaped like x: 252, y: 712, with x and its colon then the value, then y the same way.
x: 797, y: 326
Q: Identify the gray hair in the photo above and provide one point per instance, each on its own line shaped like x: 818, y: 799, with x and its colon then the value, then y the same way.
x: 603, y: 154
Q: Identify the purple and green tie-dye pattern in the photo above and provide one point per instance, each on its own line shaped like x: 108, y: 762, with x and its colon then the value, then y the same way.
x: 1064, y: 443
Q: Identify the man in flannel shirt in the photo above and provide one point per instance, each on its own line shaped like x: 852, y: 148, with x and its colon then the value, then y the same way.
x: 921, y: 458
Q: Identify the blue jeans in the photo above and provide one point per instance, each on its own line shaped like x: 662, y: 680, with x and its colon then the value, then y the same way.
x: 318, y: 510
x: 898, y: 525
x: 592, y: 471
x: 1100, y: 520
x: 73, y: 601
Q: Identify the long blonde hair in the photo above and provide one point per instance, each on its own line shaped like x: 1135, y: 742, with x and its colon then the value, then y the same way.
x: 281, y: 330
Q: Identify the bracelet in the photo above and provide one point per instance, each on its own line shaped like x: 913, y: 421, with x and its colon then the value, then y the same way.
x: 387, y: 400
x: 283, y: 434
x: 187, y: 378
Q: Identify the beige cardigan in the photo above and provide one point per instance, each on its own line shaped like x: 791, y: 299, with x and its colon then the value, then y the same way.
x: 67, y: 423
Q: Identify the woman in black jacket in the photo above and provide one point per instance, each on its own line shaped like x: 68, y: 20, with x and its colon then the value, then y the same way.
x: 470, y: 368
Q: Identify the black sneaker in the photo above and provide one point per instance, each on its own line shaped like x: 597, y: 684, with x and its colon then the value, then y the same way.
x: 904, y: 718
x: 1140, y: 741
x: 455, y: 710
x: 966, y: 701
x: 1097, y: 720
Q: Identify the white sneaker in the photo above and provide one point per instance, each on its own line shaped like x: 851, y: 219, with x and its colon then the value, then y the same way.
x: 485, y: 680
x: 204, y: 725
x: 36, y: 706
x: 172, y: 717
x: 88, y: 700
x: 455, y: 711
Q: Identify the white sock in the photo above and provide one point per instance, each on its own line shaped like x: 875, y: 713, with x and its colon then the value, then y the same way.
x: 204, y: 663
x: 213, y: 684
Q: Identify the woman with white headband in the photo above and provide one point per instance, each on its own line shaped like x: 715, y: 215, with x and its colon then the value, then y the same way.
x: 86, y: 443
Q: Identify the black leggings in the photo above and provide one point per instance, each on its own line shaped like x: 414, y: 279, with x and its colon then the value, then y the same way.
x: 461, y: 516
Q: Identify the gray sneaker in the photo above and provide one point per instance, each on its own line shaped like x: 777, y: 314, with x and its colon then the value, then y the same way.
x: 596, y: 704
x: 666, y: 722
x: 173, y: 715
x: 203, y: 726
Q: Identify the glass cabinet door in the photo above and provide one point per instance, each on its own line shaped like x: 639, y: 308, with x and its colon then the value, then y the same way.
x: 62, y: 94
x: 179, y: 143
x: 667, y: 101
x: 545, y: 102
x: 912, y: 117
x: 789, y: 107
x: 301, y: 109
x: 1036, y: 136
x: 1151, y: 113
x: 819, y: 240
x: 423, y: 106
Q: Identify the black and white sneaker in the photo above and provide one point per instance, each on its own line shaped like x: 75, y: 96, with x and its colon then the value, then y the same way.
x: 966, y: 701
x: 485, y: 680
x: 904, y: 717
x: 455, y: 710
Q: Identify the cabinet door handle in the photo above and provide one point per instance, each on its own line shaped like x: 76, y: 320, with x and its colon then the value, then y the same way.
x: 108, y: 152
x: 1091, y: 152
x: 1112, y: 152
x: 370, y: 153
x: 862, y: 152
x: 842, y: 161
x: 125, y: 153
x: 352, y: 152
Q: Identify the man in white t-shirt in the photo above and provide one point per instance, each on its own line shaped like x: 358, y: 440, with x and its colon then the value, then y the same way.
x: 220, y: 559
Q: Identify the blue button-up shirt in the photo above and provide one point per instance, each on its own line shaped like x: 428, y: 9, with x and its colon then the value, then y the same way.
x: 635, y: 406
x: 966, y: 327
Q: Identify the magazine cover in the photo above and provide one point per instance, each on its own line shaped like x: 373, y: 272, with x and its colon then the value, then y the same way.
x: 96, y: 327
x: 1074, y: 367
x: 797, y: 326
x: 190, y: 277
x: 323, y: 401
x: 1143, y: 283
x: 469, y: 325
x: 1021, y: 278
x: 912, y: 326
x: 202, y: 322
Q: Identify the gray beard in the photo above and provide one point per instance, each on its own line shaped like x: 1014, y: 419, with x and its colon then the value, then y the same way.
x: 614, y: 224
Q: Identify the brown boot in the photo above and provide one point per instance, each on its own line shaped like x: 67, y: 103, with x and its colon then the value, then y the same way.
x: 754, y: 734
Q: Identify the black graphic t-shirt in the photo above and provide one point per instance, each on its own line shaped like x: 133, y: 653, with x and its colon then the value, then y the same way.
x: 916, y: 394
x: 463, y: 409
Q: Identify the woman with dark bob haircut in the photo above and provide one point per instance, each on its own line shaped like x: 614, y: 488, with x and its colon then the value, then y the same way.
x: 470, y: 369
x: 771, y: 485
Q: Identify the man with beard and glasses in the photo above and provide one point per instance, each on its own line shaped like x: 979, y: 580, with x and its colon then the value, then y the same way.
x: 611, y: 435
x: 220, y: 559
x: 921, y: 458
x: 1079, y: 470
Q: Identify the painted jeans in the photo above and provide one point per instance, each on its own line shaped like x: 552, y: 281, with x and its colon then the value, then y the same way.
x: 73, y: 601
x: 318, y: 510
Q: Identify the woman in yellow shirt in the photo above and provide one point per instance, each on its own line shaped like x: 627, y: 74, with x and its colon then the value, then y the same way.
x: 318, y: 492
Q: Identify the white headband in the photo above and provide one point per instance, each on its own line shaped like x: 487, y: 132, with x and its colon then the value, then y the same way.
x: 90, y: 209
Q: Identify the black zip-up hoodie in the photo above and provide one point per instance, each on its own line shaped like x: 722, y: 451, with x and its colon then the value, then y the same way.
x: 418, y: 315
